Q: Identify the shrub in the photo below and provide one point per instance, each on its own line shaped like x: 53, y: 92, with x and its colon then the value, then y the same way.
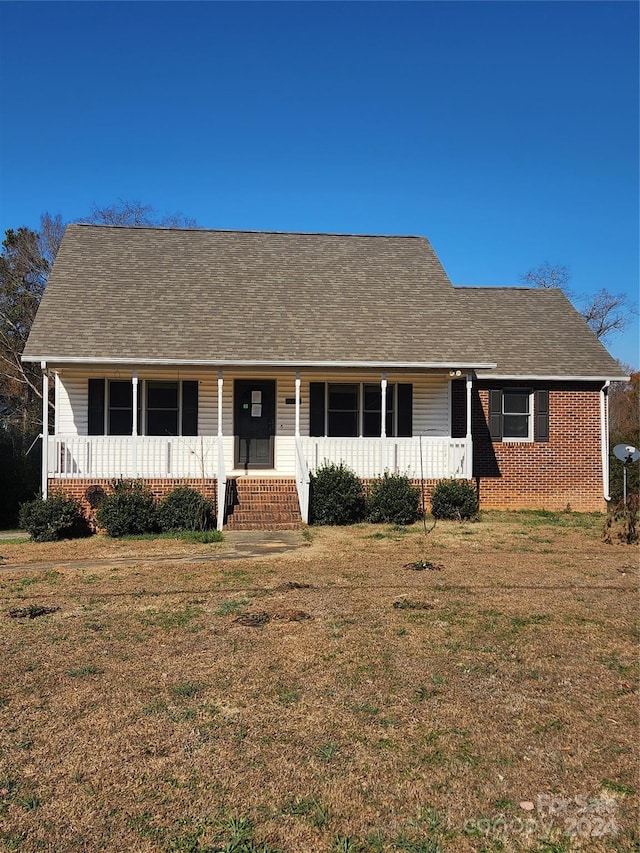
x: 55, y: 518
x: 622, y: 521
x: 185, y: 509
x: 337, y: 496
x: 393, y: 500
x: 454, y: 499
x: 128, y: 509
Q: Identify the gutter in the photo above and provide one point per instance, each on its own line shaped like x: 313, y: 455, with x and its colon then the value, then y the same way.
x: 604, y: 439
x: 442, y: 365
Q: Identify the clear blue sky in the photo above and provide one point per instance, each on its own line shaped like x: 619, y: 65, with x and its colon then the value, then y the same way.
x: 505, y: 132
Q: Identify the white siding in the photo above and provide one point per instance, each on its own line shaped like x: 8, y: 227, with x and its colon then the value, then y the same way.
x: 431, y: 406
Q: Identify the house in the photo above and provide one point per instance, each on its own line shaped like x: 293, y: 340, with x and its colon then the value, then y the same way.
x: 238, y: 362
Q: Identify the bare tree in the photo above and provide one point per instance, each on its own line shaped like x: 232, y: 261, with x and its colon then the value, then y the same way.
x: 26, y: 260
x: 25, y: 264
x: 547, y: 275
x: 136, y: 214
x: 604, y: 312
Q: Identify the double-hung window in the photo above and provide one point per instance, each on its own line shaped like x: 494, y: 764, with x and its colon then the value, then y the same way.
x: 165, y: 408
x: 350, y: 410
x: 519, y: 414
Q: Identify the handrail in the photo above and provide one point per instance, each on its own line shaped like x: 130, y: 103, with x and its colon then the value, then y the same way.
x: 302, y: 481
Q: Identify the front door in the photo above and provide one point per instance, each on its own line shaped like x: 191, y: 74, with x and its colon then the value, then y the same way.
x: 254, y: 422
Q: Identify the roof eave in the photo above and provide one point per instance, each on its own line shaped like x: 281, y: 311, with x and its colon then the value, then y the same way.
x: 560, y: 377
x: 441, y: 365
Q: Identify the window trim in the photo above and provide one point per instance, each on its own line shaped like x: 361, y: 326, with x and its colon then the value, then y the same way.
x: 530, y: 414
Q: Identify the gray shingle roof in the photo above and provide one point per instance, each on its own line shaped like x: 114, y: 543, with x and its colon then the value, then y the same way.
x: 147, y: 294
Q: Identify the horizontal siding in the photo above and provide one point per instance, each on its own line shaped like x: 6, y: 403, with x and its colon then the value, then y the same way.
x: 431, y: 415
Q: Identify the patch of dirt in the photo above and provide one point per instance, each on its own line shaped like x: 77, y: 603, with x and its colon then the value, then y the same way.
x: 31, y: 612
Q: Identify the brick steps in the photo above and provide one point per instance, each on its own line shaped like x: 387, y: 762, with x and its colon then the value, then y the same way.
x: 259, y: 503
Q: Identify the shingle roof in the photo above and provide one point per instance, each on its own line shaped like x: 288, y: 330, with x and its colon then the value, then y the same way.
x: 148, y: 294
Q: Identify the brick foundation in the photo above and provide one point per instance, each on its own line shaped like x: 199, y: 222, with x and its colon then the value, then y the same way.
x: 159, y: 488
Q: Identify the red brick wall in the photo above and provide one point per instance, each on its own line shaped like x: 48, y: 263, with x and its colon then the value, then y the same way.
x: 161, y: 487
x: 564, y: 471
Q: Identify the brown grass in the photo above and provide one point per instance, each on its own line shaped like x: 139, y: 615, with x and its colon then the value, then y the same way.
x: 141, y: 716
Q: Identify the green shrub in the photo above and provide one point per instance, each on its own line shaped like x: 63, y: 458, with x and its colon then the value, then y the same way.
x: 454, y: 499
x: 55, y: 518
x: 185, y: 509
x: 393, y: 500
x: 128, y: 509
x: 337, y: 496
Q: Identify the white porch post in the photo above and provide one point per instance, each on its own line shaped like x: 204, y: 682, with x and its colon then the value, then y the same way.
x: 297, y: 405
x: 221, y: 480
x: 134, y: 421
x: 469, y: 451
x: 383, y: 425
x: 45, y: 429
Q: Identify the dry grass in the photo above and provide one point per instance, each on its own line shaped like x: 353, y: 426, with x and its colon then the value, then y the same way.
x: 141, y: 716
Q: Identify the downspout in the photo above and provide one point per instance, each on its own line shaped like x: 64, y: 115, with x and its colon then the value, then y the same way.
x: 604, y: 439
x: 45, y: 430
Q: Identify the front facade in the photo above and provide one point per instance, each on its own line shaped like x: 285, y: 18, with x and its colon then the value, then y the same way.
x: 240, y: 362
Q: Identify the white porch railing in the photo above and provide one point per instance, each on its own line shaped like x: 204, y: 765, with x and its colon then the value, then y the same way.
x: 431, y: 458
x: 115, y: 456
x: 302, y: 480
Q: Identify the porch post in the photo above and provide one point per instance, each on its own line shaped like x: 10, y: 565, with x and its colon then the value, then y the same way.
x: 134, y: 421
x: 45, y: 429
x: 298, y: 404
x: 221, y: 481
x: 469, y: 450
x: 383, y: 426
x: 220, y: 384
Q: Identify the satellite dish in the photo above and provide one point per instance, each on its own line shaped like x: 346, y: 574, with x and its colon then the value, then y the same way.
x: 626, y: 453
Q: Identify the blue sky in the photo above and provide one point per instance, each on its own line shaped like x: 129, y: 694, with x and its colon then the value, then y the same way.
x: 505, y: 132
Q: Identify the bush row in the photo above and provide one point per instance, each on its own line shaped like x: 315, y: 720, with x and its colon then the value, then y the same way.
x: 128, y: 509
x: 338, y: 496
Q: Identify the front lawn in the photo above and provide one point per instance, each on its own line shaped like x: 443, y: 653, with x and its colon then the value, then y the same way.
x: 327, y: 699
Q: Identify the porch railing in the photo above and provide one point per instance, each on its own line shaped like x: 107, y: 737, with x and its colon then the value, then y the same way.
x: 302, y: 480
x: 431, y: 458
x: 112, y: 456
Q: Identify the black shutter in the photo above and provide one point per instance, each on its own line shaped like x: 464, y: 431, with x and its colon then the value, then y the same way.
x: 405, y: 410
x: 95, y: 411
x: 316, y: 408
x: 541, y: 412
x: 495, y: 415
x: 190, y: 408
x: 458, y: 408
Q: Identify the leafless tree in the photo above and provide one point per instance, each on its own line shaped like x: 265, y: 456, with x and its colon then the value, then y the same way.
x: 547, y: 275
x: 604, y: 312
x: 26, y: 260
x: 136, y: 214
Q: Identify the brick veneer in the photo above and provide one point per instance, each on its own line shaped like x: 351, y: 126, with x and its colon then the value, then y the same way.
x: 564, y: 471
x: 78, y: 488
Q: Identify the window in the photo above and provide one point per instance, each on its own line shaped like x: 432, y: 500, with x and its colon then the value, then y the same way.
x: 120, y: 412
x: 519, y: 414
x: 162, y: 408
x: 516, y: 415
x: 343, y: 410
x: 353, y: 409
x: 170, y: 407
x: 372, y: 410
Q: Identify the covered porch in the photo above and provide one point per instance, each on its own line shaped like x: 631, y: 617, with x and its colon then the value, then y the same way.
x: 290, y: 434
